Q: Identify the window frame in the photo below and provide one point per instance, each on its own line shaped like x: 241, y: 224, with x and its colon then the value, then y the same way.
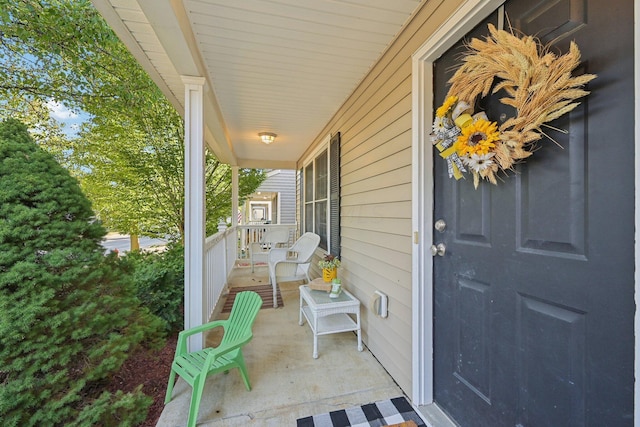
x: 330, y: 243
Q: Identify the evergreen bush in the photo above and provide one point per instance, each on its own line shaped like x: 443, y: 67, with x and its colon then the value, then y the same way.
x: 68, y: 315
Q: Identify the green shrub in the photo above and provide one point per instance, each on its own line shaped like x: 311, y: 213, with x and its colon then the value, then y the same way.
x: 69, y: 316
x: 159, y: 282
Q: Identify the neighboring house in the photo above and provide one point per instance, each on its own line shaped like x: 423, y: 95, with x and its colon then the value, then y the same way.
x: 528, y: 317
x: 274, y: 201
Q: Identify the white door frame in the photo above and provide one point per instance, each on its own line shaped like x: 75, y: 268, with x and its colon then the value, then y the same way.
x: 466, y: 17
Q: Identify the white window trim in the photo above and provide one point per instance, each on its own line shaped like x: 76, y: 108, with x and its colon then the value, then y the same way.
x: 323, y: 146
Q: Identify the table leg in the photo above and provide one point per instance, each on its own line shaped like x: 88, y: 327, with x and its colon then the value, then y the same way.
x: 315, y: 337
x: 359, y: 328
x: 300, y: 319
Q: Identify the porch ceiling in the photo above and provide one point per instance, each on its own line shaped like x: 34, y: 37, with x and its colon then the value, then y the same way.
x: 282, y: 66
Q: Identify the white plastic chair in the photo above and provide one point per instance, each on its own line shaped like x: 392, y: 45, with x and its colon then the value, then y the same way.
x: 271, y: 238
x: 286, y: 268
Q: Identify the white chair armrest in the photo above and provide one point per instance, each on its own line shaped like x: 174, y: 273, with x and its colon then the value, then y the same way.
x: 278, y: 255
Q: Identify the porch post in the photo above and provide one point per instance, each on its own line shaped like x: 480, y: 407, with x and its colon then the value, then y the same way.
x: 194, y: 197
x: 234, y: 195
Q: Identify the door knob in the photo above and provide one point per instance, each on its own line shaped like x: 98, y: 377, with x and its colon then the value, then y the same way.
x: 438, y: 249
x: 440, y: 225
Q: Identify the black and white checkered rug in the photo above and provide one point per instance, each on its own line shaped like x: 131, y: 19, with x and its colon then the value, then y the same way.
x: 377, y: 414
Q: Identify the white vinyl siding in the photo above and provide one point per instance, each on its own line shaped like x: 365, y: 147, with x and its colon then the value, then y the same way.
x: 375, y: 192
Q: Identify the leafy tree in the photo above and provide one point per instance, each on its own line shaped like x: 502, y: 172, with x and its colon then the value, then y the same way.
x: 130, y: 155
x: 63, y: 50
x: 137, y: 184
x: 69, y: 316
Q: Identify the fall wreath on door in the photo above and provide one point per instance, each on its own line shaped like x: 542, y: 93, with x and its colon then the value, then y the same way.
x: 537, y: 83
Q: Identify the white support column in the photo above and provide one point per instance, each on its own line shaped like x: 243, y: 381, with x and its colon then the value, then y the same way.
x: 194, y: 200
x: 234, y: 194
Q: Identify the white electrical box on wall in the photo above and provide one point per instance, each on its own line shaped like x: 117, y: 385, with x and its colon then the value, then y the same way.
x: 380, y: 304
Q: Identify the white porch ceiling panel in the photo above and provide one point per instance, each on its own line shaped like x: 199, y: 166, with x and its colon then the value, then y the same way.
x: 282, y: 66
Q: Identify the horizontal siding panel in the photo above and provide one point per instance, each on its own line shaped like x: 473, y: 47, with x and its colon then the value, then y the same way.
x: 362, y: 131
x: 375, y: 261
x: 398, y: 193
x: 393, y: 351
x: 426, y: 21
x: 364, y: 282
x: 387, y: 334
x: 396, y: 140
x: 401, y: 226
x: 399, y: 318
x: 277, y: 182
x: 283, y: 182
x: 393, y: 93
x: 389, y: 255
x: 400, y: 128
x: 364, y: 286
x: 361, y: 274
x: 389, y: 346
x: 355, y: 280
x: 352, y: 140
x: 372, y: 159
x: 378, y: 210
x: 382, y: 86
x: 363, y: 182
x: 387, y: 164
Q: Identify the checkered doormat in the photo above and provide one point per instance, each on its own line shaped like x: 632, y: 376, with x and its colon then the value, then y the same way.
x: 377, y: 414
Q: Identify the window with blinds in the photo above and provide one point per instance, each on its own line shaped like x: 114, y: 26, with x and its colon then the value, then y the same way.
x: 321, y: 196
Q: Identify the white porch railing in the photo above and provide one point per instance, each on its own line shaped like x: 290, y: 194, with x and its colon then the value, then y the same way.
x: 251, y: 233
x: 220, y: 253
x: 223, y: 249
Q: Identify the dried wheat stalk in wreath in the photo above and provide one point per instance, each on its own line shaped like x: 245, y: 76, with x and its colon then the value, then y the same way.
x: 538, y: 84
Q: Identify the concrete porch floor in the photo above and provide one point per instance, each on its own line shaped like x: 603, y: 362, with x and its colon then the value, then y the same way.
x: 287, y: 383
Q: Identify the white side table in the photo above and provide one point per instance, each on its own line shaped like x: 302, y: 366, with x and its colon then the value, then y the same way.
x: 329, y: 315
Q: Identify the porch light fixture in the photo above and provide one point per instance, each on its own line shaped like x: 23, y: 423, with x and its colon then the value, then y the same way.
x: 267, y: 137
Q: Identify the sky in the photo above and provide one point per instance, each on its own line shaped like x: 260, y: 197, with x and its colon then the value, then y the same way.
x: 71, y: 119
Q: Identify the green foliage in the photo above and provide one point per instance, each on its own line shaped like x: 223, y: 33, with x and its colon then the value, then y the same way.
x: 159, y: 282
x: 218, y: 191
x: 69, y: 317
x: 137, y: 183
x: 64, y: 50
x: 132, y: 170
x: 129, y: 156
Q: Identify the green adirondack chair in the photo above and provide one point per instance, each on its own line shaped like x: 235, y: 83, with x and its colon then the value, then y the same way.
x: 195, y: 367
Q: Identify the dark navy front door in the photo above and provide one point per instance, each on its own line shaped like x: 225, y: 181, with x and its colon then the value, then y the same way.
x: 534, y: 297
